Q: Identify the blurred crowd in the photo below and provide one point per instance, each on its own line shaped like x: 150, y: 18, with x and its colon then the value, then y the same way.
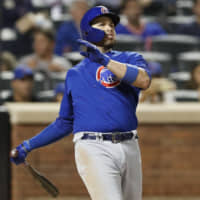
x: 38, y: 46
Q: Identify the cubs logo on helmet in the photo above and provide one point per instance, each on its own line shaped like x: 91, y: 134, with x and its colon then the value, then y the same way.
x: 104, y: 10
x: 106, y: 77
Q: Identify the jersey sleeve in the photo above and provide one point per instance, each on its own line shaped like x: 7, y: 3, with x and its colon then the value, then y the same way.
x: 138, y: 60
x: 66, y: 108
x: 61, y: 127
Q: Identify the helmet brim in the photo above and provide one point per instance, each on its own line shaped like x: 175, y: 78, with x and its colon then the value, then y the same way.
x: 115, y: 18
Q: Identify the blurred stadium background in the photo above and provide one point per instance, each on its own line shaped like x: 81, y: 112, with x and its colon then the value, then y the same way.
x: 169, y: 113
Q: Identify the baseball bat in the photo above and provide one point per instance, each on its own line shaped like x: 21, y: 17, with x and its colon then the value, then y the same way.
x: 44, y: 182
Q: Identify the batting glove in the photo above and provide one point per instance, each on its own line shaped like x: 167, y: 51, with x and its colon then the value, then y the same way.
x: 21, y: 152
x: 93, y: 53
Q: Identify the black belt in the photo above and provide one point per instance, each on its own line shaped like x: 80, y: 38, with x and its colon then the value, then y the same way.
x: 114, y: 137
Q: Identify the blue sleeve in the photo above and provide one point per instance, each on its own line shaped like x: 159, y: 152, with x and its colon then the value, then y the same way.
x: 139, y: 61
x: 61, y: 127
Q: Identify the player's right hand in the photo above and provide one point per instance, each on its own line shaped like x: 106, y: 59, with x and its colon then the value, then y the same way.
x: 19, y: 154
x: 93, y: 53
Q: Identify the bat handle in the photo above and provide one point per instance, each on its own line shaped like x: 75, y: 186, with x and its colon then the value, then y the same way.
x: 26, y: 163
x: 14, y: 153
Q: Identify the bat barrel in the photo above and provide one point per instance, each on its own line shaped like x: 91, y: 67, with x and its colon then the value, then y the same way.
x: 44, y: 182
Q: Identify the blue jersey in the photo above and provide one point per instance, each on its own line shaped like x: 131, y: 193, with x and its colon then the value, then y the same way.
x: 98, y: 101
x: 94, y: 100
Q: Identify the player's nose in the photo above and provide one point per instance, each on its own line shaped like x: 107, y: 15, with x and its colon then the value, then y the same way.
x: 108, y: 29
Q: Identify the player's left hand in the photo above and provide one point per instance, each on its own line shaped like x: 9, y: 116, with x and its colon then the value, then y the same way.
x: 18, y: 155
x: 93, y: 53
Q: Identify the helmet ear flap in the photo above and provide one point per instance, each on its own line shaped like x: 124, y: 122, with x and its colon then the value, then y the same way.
x: 84, y: 34
x: 95, y: 35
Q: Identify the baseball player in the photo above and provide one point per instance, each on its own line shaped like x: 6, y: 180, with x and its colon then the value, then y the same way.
x: 99, y: 107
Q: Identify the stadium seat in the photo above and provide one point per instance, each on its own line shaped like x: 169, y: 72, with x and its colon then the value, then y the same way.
x: 128, y: 43
x: 174, y: 22
x: 5, y: 80
x: 184, y: 7
x: 175, y: 44
x: 58, y: 18
x: 4, y: 94
x: 56, y: 78
x: 147, y: 19
x: 41, y: 82
x: 180, y: 78
x: 188, y: 60
x: 17, y: 44
x: 163, y: 58
x: 46, y: 96
x: 8, y: 38
x: 186, y: 96
x: 73, y: 57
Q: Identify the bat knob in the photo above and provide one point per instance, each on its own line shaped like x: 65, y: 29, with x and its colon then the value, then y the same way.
x: 14, y: 153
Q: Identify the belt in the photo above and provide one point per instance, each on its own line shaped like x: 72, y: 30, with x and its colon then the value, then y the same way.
x: 114, y: 137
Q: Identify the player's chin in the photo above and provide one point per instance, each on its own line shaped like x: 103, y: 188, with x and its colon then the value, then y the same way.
x: 108, y: 44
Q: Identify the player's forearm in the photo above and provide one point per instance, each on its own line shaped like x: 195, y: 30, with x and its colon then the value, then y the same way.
x: 137, y: 76
x: 117, y: 68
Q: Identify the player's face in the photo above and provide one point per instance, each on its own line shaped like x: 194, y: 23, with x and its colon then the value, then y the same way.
x: 106, y: 24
